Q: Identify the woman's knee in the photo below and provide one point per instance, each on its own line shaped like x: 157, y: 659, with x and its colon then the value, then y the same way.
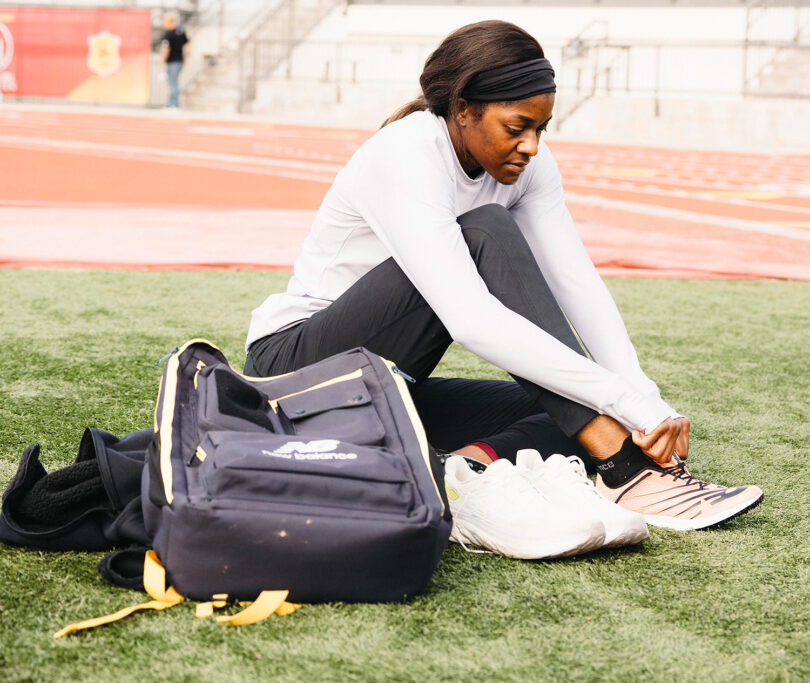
x: 490, y: 232
x: 489, y: 217
x: 490, y: 221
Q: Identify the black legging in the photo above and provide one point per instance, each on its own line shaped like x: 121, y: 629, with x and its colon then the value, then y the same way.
x: 385, y: 313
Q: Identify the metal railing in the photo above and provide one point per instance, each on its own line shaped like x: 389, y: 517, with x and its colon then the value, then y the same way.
x: 275, y: 46
x: 230, y: 36
x: 259, y: 56
x: 654, y: 69
x: 760, y: 19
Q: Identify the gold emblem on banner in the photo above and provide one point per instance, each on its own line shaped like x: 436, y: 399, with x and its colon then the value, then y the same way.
x: 103, y: 56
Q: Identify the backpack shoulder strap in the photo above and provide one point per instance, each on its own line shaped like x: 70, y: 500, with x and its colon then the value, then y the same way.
x: 154, y: 580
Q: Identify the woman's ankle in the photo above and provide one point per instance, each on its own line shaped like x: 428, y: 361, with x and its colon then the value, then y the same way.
x: 602, y: 437
x: 475, y: 452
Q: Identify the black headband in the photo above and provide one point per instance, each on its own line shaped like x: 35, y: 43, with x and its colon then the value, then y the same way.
x: 511, y: 82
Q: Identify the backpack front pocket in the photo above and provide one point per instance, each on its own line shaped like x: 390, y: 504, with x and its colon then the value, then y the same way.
x: 227, y: 401
x: 322, y: 472
x: 343, y: 410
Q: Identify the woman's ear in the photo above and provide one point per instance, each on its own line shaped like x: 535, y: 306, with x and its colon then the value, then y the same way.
x: 462, y: 111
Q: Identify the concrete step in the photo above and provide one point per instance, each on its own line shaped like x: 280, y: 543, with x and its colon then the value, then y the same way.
x: 262, y: 56
x: 222, y: 108
x: 212, y: 97
x: 789, y: 74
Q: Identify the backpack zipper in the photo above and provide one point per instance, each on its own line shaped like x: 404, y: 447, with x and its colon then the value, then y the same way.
x: 404, y: 375
x: 161, y: 361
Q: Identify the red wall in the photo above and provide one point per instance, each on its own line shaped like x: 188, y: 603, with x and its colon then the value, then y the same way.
x: 95, y: 55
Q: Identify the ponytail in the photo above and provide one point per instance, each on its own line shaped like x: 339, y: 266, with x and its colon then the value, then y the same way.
x: 419, y: 104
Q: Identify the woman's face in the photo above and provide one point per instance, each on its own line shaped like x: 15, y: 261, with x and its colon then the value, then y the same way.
x: 502, y: 138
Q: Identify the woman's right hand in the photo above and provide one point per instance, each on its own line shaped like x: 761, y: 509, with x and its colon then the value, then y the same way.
x: 662, y: 441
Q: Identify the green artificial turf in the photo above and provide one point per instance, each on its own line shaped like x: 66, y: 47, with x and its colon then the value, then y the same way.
x: 728, y: 604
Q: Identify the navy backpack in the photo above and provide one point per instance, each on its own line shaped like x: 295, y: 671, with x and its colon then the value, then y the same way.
x: 318, y: 485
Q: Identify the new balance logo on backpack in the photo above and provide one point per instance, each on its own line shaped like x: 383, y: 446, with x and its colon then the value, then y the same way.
x: 323, y: 449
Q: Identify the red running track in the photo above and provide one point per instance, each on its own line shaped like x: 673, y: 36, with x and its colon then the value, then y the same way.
x: 160, y: 191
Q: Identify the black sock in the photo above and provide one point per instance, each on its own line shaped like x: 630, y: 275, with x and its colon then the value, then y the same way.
x: 472, y: 463
x: 624, y: 465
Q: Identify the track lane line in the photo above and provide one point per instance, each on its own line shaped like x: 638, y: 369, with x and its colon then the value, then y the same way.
x: 689, y: 216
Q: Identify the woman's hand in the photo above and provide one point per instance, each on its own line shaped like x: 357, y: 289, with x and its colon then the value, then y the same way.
x: 660, y: 443
x: 682, y: 443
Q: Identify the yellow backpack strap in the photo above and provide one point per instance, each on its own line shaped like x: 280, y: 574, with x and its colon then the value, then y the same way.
x: 206, y: 609
x: 154, y: 580
x: 286, y: 608
x: 268, y: 602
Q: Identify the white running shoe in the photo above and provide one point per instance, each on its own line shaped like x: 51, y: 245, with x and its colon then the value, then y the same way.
x: 500, y: 510
x: 564, y: 481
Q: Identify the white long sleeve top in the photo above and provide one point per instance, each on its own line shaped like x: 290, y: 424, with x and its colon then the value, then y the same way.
x: 399, y: 195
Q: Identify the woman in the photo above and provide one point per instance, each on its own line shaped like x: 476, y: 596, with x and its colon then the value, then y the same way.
x: 450, y: 224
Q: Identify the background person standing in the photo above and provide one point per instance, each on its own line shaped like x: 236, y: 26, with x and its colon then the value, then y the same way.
x: 173, y: 48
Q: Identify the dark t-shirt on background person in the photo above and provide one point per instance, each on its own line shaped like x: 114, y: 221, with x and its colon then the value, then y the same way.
x: 176, y: 39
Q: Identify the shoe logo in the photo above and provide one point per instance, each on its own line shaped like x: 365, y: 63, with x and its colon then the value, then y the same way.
x: 722, y: 495
x: 452, y: 494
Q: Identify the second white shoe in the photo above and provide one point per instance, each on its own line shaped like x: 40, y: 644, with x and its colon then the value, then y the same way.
x: 500, y: 510
x: 564, y: 481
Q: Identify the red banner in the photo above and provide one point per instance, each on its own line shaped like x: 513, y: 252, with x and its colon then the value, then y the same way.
x: 92, y: 55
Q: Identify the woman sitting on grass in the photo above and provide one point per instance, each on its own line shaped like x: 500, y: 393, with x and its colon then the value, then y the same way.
x: 450, y: 224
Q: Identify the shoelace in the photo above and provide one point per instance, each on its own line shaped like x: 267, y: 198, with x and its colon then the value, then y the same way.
x: 512, y: 477
x: 479, y: 551
x: 577, y: 470
x: 679, y: 471
x: 522, y: 483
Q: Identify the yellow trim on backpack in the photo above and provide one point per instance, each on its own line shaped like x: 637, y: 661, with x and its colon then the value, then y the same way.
x: 200, y: 366
x: 165, y: 428
x: 335, y: 380
x: 160, y: 390
x: 251, y: 378
x: 416, y: 421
